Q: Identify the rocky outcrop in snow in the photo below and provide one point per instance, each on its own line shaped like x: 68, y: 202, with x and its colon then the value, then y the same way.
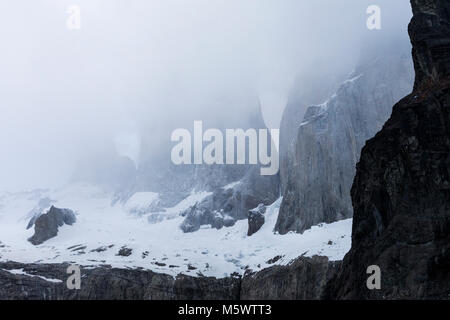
x: 46, y: 225
x: 329, y: 141
x: 256, y: 219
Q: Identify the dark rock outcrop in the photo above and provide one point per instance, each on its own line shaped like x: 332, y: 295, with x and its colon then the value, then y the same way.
x: 401, y: 191
x: 48, y: 282
x: 256, y: 219
x: 321, y: 167
x: 303, y: 279
x: 46, y: 225
x: 125, y: 252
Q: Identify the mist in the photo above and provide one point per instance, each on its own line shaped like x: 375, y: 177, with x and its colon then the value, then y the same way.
x: 145, y: 67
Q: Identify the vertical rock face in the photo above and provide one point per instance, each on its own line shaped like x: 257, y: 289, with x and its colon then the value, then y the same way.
x: 429, y: 32
x: 292, y: 117
x: 256, y: 219
x: 309, y: 90
x: 329, y: 141
x: 401, y: 192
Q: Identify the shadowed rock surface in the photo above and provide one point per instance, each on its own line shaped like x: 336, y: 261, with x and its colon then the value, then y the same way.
x: 256, y: 219
x: 303, y: 279
x: 46, y: 225
x: 401, y: 192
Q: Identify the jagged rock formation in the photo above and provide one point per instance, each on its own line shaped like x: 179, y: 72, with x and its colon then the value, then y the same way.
x: 310, y: 88
x: 46, y: 225
x: 328, y: 143
x: 256, y: 219
x: 292, y: 116
x: 401, y: 192
x: 303, y: 279
x: 226, y: 205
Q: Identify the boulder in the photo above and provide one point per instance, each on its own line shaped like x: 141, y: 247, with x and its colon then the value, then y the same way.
x: 46, y: 225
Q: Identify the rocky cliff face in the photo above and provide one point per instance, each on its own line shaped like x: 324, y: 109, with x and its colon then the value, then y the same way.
x: 401, y: 192
x: 329, y: 140
x: 303, y: 279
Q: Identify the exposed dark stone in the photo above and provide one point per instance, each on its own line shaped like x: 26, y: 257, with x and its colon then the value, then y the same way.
x: 429, y: 32
x: 256, y: 219
x: 401, y: 192
x: 125, y: 252
x: 304, y: 278
x: 160, y: 264
x: 274, y: 259
x: 46, y: 225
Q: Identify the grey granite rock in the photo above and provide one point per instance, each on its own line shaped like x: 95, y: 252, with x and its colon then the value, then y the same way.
x: 256, y: 219
x: 329, y: 141
x: 46, y: 225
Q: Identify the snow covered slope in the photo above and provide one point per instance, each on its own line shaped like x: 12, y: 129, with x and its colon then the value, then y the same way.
x: 155, y: 239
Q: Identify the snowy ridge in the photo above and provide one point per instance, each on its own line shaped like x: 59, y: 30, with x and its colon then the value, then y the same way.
x: 23, y: 273
x: 102, y: 230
